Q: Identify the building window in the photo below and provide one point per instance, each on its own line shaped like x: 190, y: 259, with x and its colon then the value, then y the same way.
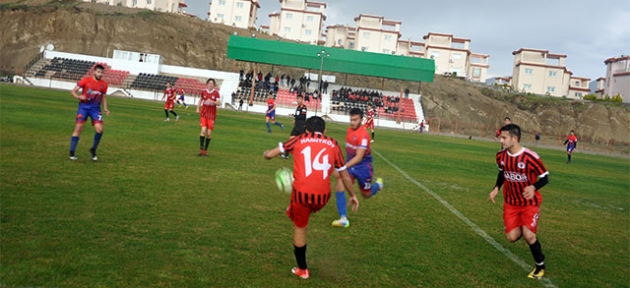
x: 238, y: 18
x: 220, y: 16
x: 308, y: 32
x: 388, y: 37
x: 476, y: 72
x: 351, y: 45
x: 310, y: 18
x: 457, y: 56
x: 387, y: 51
x: 578, y: 95
x: 527, y: 86
x: 552, y: 73
x: 239, y: 4
x: 288, y: 16
x: 222, y: 2
x: 366, y: 35
x: 134, y: 3
x: 529, y: 71
x: 287, y: 29
x: 577, y: 83
x: 551, y: 89
x: 435, y: 55
x: 149, y: 2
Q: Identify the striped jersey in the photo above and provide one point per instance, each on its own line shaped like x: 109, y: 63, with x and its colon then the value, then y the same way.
x: 520, y: 170
x: 209, y: 109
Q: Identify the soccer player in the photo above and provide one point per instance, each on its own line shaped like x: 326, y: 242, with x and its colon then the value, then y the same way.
x: 169, y: 94
x: 208, y: 102
x: 299, y: 117
x: 315, y: 157
x: 506, y: 121
x: 571, y: 143
x: 180, y: 99
x: 369, y: 122
x: 523, y: 173
x: 359, y: 165
x: 271, y: 113
x: 92, y: 95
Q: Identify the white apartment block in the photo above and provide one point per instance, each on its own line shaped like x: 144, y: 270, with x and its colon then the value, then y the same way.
x: 170, y: 6
x: 601, y: 85
x: 578, y: 87
x: 410, y: 48
x: 618, y: 77
x: 371, y: 34
x: 237, y: 13
x: 540, y: 72
x: 453, y: 55
x: 298, y: 20
x: 478, y: 67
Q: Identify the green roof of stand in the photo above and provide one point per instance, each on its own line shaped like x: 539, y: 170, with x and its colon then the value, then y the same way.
x: 340, y: 60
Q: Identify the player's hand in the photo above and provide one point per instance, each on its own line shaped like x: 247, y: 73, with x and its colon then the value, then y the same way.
x: 197, y: 110
x: 82, y: 98
x: 529, y: 191
x: 354, y: 201
x: 494, y: 193
x: 106, y: 112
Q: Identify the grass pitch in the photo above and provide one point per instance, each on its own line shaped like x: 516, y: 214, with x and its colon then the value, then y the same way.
x: 151, y: 213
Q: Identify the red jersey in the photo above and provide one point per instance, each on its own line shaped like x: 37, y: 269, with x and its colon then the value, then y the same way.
x: 520, y: 170
x: 180, y: 91
x: 270, y: 104
x: 369, y: 116
x: 356, y: 139
x: 571, y: 140
x: 315, y: 155
x: 209, y: 109
x: 170, y: 94
x: 93, y: 90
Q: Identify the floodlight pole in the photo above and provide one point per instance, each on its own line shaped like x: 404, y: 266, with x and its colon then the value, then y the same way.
x: 321, y: 56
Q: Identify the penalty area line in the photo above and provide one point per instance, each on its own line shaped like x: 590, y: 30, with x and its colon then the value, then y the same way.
x: 546, y: 281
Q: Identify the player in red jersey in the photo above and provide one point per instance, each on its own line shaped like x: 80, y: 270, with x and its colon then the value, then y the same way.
x: 506, y: 121
x: 208, y: 102
x: 271, y: 113
x: 315, y: 155
x: 181, y: 98
x: 369, y: 120
x: 169, y: 94
x: 359, y: 164
x: 94, y: 90
x: 523, y: 173
x: 571, y: 143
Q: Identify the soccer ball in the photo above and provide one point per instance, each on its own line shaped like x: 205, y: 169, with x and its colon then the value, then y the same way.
x: 284, y: 179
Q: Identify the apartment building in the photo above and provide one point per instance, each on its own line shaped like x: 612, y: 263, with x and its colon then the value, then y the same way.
x: 410, y: 48
x: 578, y: 87
x: 600, y: 87
x: 478, y: 67
x: 299, y: 20
x: 540, y: 72
x: 170, y: 6
x: 618, y: 77
x: 452, y: 55
x: 237, y: 13
x: 371, y: 33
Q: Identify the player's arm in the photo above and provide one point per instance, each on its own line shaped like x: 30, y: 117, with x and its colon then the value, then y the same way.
x: 75, y: 92
x: 199, y: 105
x: 275, y: 152
x: 497, y: 185
x: 565, y: 142
x: 104, y: 101
x: 530, y: 190
x: 357, y: 158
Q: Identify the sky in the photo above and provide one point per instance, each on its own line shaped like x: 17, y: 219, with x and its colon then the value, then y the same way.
x: 587, y: 31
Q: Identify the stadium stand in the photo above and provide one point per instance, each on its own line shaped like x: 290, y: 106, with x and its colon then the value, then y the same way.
x: 111, y: 76
x: 152, y: 82
x: 190, y: 86
x: 66, y: 68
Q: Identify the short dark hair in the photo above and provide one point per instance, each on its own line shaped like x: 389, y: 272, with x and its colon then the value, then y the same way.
x: 315, y: 124
x: 211, y: 79
x: 513, y: 129
x: 299, y: 96
x: 572, y: 131
x: 99, y: 66
x: 356, y: 111
x: 507, y: 118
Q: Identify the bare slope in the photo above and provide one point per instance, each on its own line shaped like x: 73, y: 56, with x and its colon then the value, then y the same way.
x: 458, y: 106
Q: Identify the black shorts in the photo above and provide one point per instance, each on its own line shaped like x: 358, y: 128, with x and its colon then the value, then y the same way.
x: 298, y: 129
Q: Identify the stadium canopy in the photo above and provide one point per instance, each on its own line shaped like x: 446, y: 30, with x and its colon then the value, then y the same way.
x: 340, y: 60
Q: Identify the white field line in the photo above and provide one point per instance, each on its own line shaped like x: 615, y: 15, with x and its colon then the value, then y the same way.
x: 546, y: 281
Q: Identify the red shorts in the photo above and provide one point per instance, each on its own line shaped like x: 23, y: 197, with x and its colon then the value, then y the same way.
x: 205, y: 122
x: 299, y: 213
x: 369, y: 124
x: 168, y: 105
x: 517, y: 216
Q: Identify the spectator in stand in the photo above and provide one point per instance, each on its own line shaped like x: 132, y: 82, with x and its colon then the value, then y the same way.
x: 241, y: 75
x: 240, y: 104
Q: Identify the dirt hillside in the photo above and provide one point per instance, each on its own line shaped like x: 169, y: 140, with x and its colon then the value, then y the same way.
x: 452, y: 104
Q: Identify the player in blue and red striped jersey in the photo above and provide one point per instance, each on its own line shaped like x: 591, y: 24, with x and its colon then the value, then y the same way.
x: 316, y: 157
x: 271, y: 113
x: 207, y: 110
x: 522, y: 174
x: 359, y: 164
x: 94, y: 90
x: 169, y: 94
x: 571, y: 143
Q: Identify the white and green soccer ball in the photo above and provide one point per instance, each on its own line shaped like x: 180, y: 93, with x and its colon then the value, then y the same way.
x: 284, y: 179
